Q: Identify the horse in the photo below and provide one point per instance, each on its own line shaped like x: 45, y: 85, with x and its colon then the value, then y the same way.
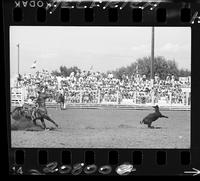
x: 32, y: 113
x: 152, y: 117
x: 40, y: 112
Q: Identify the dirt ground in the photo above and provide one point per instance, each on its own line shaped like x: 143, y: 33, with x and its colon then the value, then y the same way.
x: 103, y: 128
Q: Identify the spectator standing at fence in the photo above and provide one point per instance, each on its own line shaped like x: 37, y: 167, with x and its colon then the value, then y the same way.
x: 156, y: 78
x: 61, y: 98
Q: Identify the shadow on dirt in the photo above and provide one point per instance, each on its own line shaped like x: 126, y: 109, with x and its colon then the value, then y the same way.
x: 154, y: 127
x: 88, y: 127
x: 124, y: 126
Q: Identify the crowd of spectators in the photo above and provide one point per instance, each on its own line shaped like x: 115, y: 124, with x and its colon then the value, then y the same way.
x: 96, y: 87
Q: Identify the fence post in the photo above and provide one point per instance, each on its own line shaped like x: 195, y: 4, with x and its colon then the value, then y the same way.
x: 117, y: 97
x: 22, y: 95
x: 187, y: 98
x: 152, y: 97
x: 170, y: 98
x: 134, y: 97
x: 81, y: 95
x: 99, y: 96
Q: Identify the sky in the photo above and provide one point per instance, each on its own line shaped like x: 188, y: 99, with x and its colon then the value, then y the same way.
x: 103, y: 48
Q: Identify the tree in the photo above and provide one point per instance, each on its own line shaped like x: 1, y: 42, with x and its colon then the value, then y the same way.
x: 162, y: 67
x: 64, y: 71
x: 184, y: 73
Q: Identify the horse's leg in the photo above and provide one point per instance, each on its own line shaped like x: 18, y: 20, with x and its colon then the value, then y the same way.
x: 33, y: 117
x: 34, y: 121
x: 43, y: 123
x: 51, y: 120
x: 62, y: 106
x: 149, y: 126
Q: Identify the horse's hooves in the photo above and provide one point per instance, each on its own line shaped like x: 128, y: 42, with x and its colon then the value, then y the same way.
x: 49, y: 129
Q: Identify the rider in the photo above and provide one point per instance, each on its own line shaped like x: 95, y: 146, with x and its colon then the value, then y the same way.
x: 28, y: 108
x: 42, y: 96
x: 40, y: 101
x: 41, y: 108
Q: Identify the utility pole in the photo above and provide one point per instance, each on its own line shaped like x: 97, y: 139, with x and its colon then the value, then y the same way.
x: 18, y: 58
x: 152, y: 66
x: 152, y: 54
x: 18, y: 62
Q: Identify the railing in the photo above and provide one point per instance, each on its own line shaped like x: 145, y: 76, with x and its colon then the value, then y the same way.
x: 19, y: 95
x: 135, y: 98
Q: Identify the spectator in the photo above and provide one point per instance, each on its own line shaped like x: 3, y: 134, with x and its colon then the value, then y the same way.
x: 84, y: 86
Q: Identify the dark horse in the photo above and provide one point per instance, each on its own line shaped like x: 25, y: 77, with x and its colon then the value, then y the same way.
x: 41, y: 112
x: 152, y: 117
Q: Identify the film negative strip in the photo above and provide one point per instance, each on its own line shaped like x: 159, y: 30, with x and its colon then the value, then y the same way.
x: 102, y: 87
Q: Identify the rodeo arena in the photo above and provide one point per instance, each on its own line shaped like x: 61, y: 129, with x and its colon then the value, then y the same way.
x: 90, y: 109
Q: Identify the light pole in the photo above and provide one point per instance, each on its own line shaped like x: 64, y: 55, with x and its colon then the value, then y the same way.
x: 18, y: 58
x: 152, y: 65
x: 18, y: 62
x: 152, y: 54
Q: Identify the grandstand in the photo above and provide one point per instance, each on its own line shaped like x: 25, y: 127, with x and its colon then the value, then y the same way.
x: 92, y: 89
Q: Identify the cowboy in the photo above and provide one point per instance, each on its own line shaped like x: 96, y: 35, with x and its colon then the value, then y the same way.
x: 42, y: 96
x: 41, y: 109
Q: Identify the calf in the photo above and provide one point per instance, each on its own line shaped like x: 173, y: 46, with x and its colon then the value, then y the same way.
x: 152, y: 117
